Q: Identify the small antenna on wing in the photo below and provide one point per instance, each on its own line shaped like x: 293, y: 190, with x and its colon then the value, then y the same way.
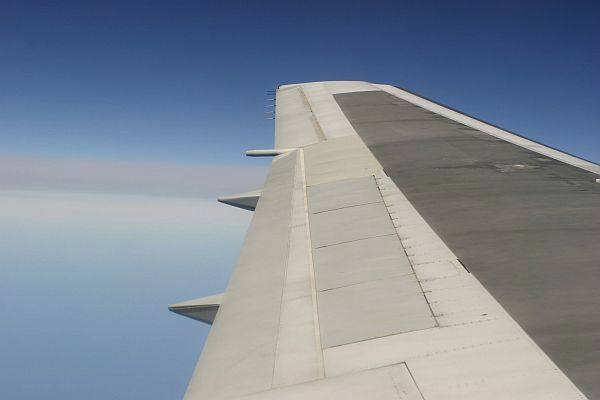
x: 271, y: 101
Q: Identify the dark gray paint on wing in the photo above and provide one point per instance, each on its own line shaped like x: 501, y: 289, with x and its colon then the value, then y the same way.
x: 526, y: 225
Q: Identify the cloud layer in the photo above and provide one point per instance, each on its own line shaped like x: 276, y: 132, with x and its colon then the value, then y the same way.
x: 80, y: 191
x: 101, y: 176
x: 60, y: 208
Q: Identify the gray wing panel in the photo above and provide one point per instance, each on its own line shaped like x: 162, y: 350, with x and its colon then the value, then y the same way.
x: 526, y: 225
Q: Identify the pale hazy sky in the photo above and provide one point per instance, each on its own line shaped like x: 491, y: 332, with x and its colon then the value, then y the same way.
x: 85, y: 284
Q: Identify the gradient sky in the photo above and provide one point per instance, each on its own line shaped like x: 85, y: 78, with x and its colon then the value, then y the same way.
x: 120, y: 122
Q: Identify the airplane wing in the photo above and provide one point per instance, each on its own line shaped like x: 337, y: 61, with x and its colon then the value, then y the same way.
x: 400, y: 249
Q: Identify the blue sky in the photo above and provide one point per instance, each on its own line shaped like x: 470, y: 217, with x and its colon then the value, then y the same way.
x: 120, y: 122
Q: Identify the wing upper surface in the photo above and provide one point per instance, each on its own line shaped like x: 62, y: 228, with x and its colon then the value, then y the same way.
x: 344, y: 289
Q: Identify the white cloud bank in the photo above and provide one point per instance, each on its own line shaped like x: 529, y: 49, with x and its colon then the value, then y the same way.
x: 93, y: 209
x: 102, y: 176
x: 47, y: 190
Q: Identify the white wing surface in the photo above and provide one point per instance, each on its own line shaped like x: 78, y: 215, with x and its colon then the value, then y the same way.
x: 400, y: 249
